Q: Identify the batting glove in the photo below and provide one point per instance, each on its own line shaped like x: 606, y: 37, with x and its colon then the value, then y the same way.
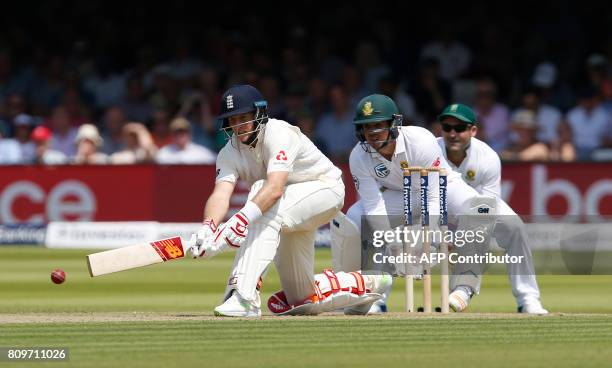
x: 235, y: 230
x: 203, y: 238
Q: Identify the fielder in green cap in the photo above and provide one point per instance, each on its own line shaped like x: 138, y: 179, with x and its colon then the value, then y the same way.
x: 480, y: 167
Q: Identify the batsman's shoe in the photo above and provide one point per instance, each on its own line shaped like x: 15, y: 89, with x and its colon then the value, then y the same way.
x: 532, y: 307
x: 459, y: 299
x: 236, y: 306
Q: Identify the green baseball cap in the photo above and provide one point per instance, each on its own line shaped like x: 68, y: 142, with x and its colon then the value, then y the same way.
x: 459, y: 111
x: 375, y: 108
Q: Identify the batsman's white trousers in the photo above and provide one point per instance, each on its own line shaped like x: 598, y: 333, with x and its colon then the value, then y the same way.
x: 509, y: 233
x: 286, y: 234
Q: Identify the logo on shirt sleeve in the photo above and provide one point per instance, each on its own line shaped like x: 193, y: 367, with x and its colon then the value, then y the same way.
x: 281, y: 156
x: 356, y: 181
x: 217, y: 174
x: 381, y: 170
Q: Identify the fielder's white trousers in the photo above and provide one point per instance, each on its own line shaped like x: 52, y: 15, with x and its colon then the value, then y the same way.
x: 509, y: 233
x: 286, y: 234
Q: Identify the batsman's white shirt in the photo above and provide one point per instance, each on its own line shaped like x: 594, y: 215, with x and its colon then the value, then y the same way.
x: 283, y: 148
x: 286, y: 232
x: 480, y: 169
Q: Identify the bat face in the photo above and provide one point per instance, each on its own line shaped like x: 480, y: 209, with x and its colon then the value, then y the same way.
x: 134, y: 256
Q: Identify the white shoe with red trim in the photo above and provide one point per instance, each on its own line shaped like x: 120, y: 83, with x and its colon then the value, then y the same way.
x: 459, y: 299
x: 236, y: 306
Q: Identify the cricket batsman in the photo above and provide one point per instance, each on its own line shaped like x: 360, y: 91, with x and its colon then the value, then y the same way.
x: 385, y: 148
x: 294, y: 189
x: 480, y: 168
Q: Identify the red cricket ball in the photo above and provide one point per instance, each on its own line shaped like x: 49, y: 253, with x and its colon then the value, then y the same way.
x: 58, y: 276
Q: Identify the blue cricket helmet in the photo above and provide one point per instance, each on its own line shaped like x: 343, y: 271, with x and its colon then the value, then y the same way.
x: 240, y: 99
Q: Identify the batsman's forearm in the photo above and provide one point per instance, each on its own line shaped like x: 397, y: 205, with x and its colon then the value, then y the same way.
x: 216, y: 208
x: 267, y: 196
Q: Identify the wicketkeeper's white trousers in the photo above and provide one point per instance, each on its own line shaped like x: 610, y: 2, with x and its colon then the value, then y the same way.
x: 509, y: 233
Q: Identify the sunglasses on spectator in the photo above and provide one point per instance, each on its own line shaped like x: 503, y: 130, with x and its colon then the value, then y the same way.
x: 459, y: 128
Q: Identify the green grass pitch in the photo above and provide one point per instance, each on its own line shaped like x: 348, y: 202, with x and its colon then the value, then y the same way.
x: 161, y: 316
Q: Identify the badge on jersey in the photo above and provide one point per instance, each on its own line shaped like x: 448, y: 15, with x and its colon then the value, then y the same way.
x: 404, y: 164
x: 282, y: 156
x: 381, y: 171
x: 470, y: 175
x: 436, y: 163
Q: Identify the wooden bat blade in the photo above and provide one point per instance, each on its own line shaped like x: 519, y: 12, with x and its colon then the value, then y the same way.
x: 134, y: 256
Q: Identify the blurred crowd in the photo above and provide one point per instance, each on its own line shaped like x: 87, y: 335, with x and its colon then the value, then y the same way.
x: 118, y: 92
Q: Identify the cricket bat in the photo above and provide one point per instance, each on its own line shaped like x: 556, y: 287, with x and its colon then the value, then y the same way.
x: 138, y: 255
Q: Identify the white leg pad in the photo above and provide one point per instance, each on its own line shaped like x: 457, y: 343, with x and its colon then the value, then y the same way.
x: 334, y: 291
x: 345, y: 244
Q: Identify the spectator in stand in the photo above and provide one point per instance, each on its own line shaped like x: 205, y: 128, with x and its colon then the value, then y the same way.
x: 41, y: 136
x: 563, y: 149
x: 183, y: 67
x: 453, y: 56
x: 353, y: 85
x: 106, y: 85
x: 547, y: 116
x: 113, y: 122
x: 335, y: 129
x: 294, y: 101
x: 23, y: 125
x: 63, y: 132
x: 88, y: 141
x: 10, y: 154
x: 553, y: 91
x: 138, y: 146
x: 268, y: 85
x: 492, y: 115
x: 166, y: 91
x: 76, y: 110
x: 182, y: 150
x: 430, y: 91
x: 527, y: 147
x: 590, y: 123
x: 200, y: 107
x: 13, y: 106
x: 160, y: 128
x: 306, y: 123
x: 10, y: 83
x: 369, y: 66
x: 390, y: 86
x: 316, y: 100
x: 49, y: 87
x: 135, y: 104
